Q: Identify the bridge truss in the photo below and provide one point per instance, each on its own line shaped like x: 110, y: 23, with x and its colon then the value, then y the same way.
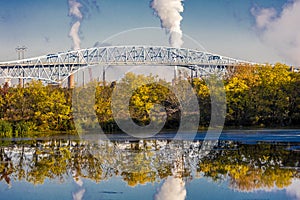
x: 56, y: 68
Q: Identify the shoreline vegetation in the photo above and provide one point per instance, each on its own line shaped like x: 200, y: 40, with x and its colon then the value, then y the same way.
x: 256, y: 97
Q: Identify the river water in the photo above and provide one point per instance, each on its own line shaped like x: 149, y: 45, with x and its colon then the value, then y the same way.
x: 256, y: 164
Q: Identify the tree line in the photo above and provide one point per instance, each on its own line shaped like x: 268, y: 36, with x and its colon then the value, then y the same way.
x: 262, y: 95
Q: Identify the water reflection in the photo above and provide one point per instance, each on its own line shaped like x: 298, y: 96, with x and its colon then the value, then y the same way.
x: 293, y: 189
x: 78, y: 195
x: 173, y: 164
x: 173, y: 188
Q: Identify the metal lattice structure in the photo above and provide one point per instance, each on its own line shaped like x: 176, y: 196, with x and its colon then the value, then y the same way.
x: 55, y: 68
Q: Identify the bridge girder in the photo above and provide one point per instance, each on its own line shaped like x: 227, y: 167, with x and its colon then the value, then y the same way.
x: 55, y: 68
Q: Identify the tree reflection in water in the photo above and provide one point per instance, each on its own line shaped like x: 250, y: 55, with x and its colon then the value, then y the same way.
x: 248, y: 167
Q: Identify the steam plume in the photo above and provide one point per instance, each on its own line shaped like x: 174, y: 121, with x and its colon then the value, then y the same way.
x: 280, y: 30
x: 169, y: 13
x: 75, y: 13
x: 75, y: 36
x: 75, y: 9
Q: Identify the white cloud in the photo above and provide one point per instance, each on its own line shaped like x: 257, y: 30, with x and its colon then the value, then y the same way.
x: 263, y: 16
x: 281, y: 31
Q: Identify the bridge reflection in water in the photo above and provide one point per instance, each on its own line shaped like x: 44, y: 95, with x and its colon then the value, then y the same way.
x: 241, y: 166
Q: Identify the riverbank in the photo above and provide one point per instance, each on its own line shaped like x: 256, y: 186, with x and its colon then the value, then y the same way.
x: 100, y: 134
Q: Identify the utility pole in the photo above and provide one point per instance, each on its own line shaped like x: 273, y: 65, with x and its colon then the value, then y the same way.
x: 21, y: 55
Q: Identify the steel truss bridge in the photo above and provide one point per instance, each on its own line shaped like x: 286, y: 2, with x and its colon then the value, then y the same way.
x: 56, y: 68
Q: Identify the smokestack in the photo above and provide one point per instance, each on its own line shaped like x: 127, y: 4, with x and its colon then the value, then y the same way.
x: 75, y: 13
x: 169, y: 13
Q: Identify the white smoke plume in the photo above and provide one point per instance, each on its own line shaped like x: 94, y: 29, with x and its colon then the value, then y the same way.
x: 79, y: 10
x: 75, y: 36
x: 172, y: 189
x: 75, y: 13
x: 169, y: 13
x: 75, y: 9
x: 280, y: 30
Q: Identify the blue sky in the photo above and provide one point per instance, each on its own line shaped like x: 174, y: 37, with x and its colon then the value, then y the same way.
x: 225, y: 27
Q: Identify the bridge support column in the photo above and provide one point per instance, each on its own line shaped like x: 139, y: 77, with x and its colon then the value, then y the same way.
x: 175, y: 75
x: 103, y: 76
x: 21, y: 84
x: 71, y: 81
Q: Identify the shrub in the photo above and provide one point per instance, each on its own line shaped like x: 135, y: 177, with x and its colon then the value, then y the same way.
x: 6, y: 129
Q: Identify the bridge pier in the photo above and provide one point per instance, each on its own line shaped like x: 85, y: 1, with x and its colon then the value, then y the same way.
x: 103, y: 76
x: 175, y: 74
x: 21, y: 82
